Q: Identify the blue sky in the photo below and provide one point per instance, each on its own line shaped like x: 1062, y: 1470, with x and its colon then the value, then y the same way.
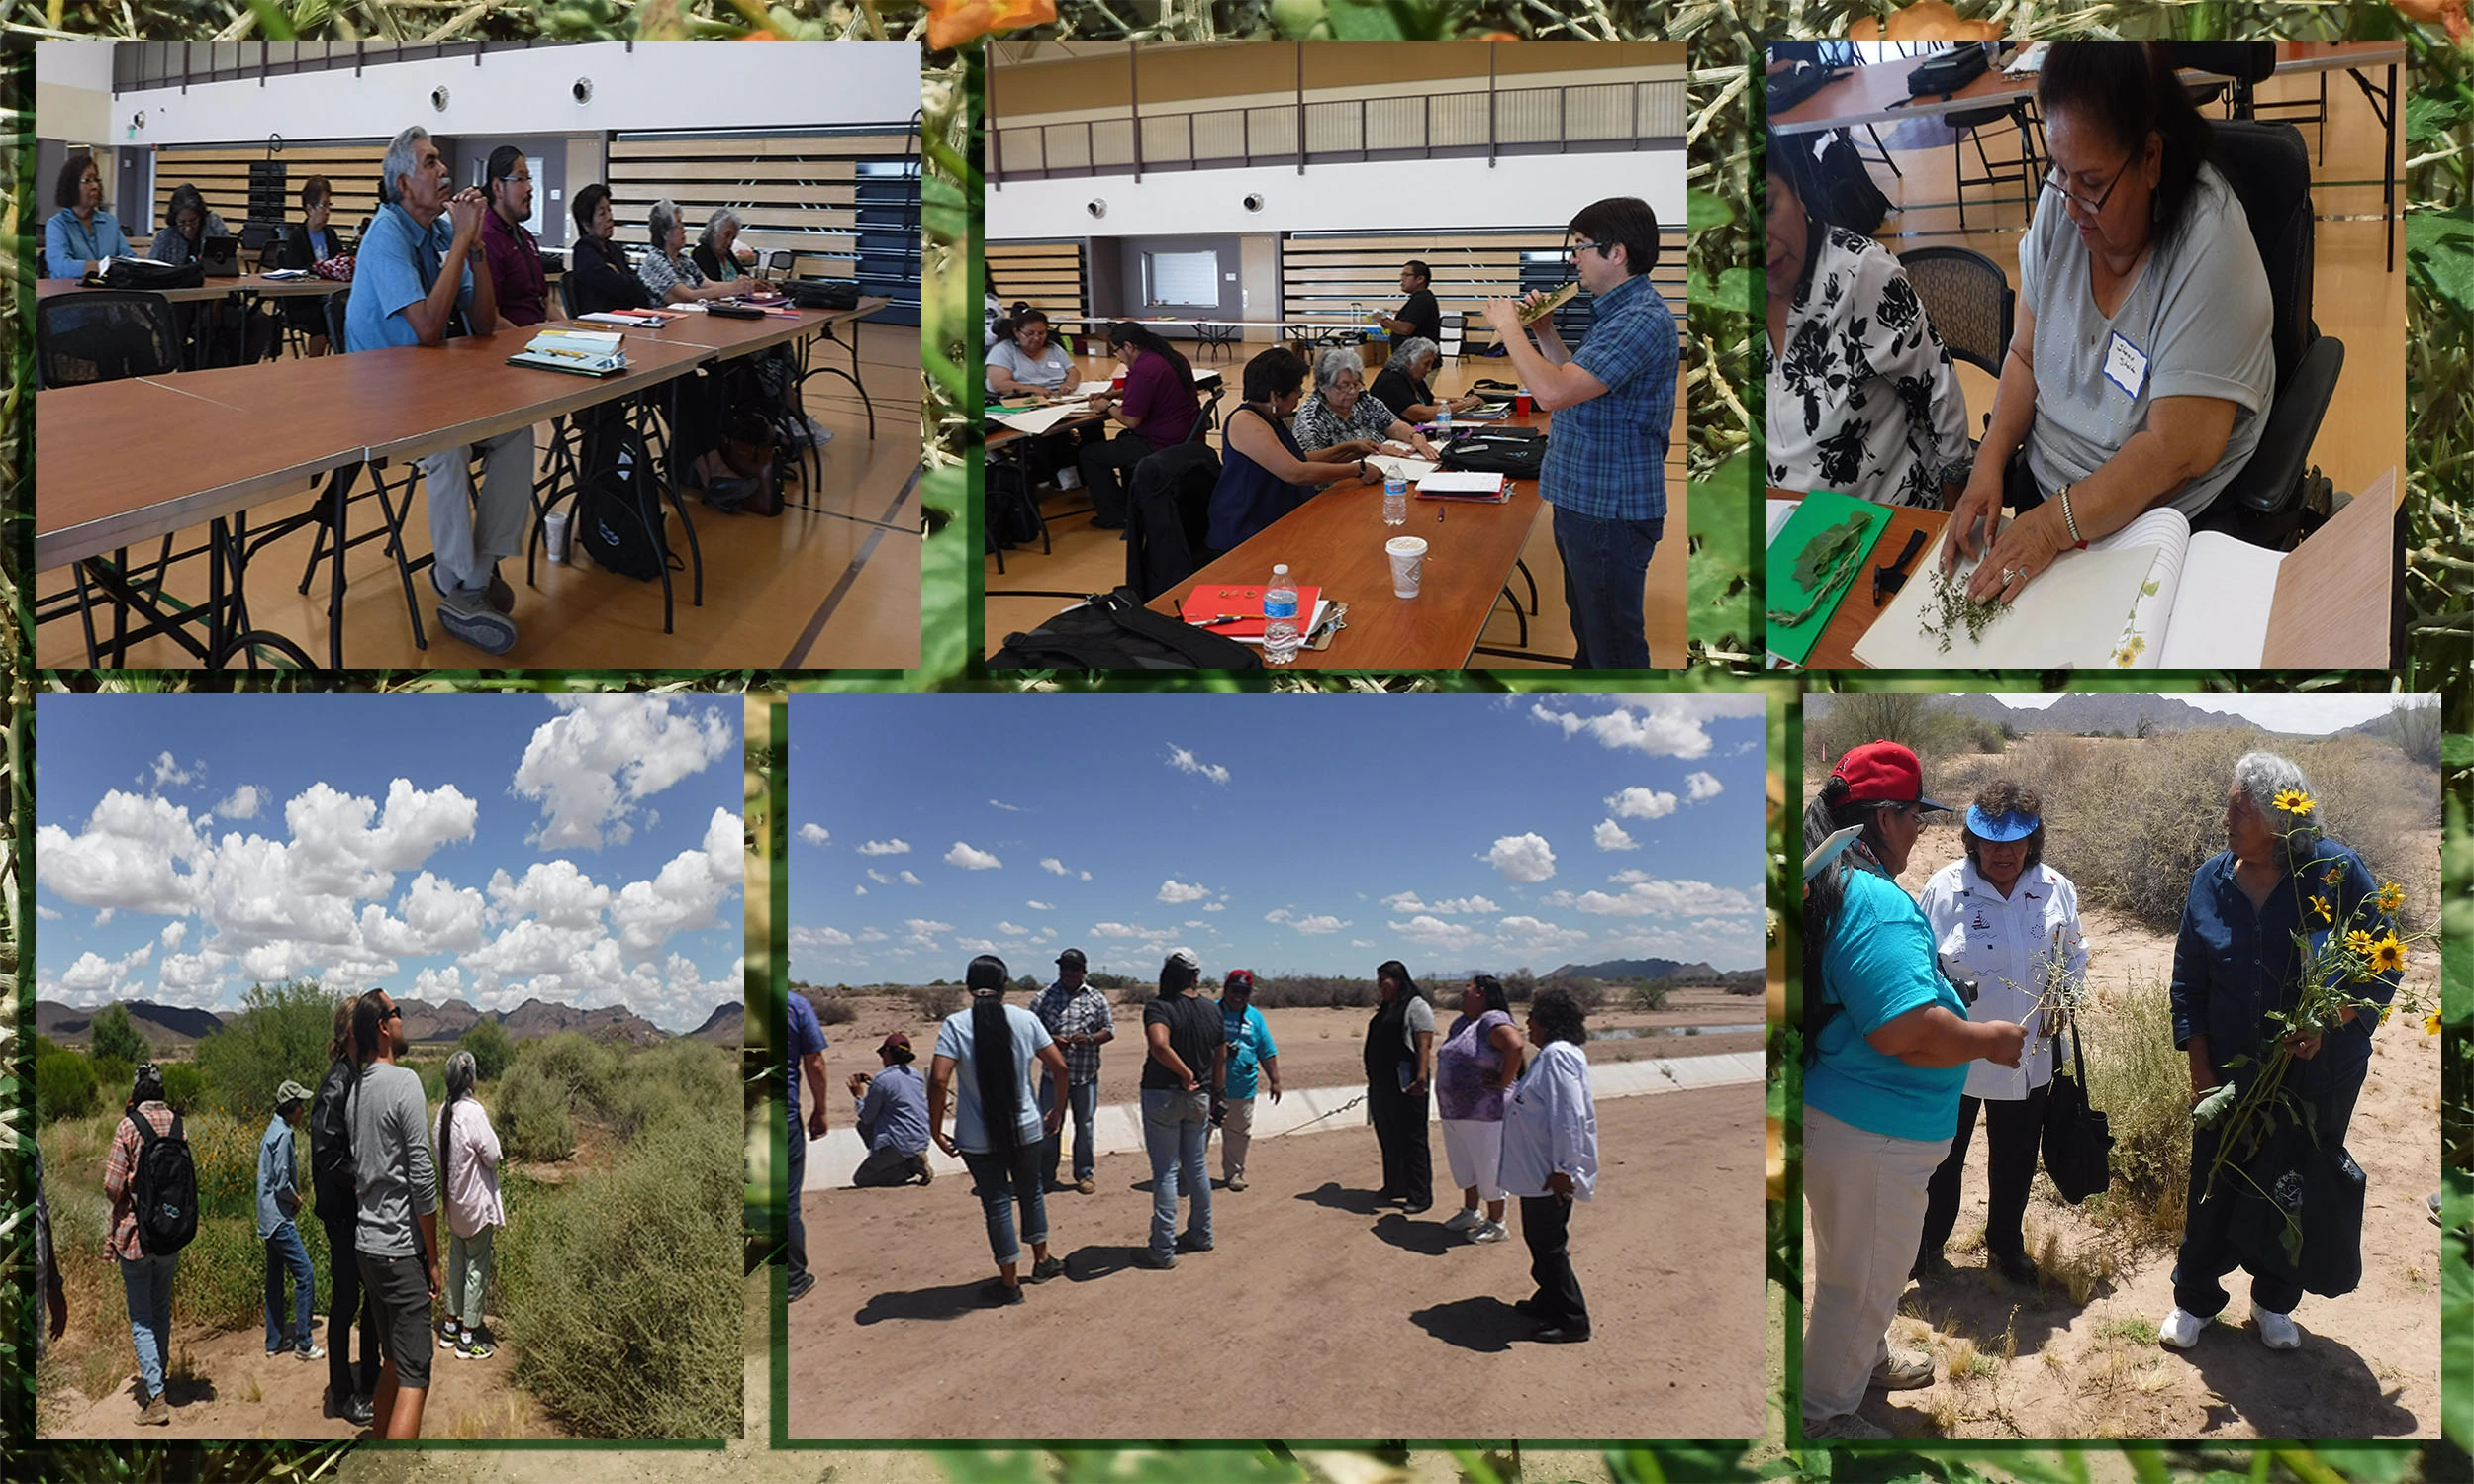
x: 584, y: 850
x: 1313, y: 833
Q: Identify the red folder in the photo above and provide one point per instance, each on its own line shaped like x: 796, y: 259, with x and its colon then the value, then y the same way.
x: 1211, y: 600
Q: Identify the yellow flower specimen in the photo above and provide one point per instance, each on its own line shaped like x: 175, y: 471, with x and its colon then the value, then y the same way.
x: 2391, y: 896
x: 2358, y: 941
x: 2431, y: 1027
x: 2318, y: 904
x: 2388, y: 954
x: 2293, y: 801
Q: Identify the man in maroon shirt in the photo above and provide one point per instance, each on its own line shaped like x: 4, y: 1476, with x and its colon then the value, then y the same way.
x: 514, y: 260
x: 1158, y: 409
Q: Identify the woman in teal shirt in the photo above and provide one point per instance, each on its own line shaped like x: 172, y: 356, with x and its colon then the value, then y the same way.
x: 81, y: 234
x: 1888, y: 1043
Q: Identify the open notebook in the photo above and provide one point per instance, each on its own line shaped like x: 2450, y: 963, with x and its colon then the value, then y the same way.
x: 2187, y: 601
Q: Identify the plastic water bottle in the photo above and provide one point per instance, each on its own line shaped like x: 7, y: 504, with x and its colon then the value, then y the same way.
x: 1395, y: 499
x: 1442, y: 418
x: 1282, y: 637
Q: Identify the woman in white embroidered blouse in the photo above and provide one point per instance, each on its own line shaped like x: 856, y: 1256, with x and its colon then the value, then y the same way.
x: 2010, y: 922
x: 1863, y: 399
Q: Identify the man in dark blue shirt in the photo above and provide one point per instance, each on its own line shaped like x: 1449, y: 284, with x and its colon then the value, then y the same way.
x: 807, y: 1047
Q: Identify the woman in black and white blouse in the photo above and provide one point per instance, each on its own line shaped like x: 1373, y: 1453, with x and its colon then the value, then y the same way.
x: 1863, y: 399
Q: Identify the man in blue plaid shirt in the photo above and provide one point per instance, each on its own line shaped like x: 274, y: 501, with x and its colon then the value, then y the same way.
x: 1614, y: 402
x: 1077, y: 1017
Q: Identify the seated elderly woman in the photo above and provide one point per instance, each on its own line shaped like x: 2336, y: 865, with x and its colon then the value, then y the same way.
x: 1863, y: 399
x: 1340, y: 420
x: 2141, y: 371
x: 669, y: 274
x: 1265, y: 474
x: 1401, y: 384
x: 717, y: 254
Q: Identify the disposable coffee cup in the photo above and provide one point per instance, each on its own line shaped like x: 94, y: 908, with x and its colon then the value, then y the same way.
x: 1409, y: 564
x: 554, y: 533
x: 1520, y: 402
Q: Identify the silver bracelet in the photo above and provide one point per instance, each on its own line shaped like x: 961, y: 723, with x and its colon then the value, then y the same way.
x: 2069, y: 519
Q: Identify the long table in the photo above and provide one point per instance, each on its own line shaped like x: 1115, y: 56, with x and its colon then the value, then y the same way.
x: 214, y: 288
x: 331, y: 418
x: 1335, y: 541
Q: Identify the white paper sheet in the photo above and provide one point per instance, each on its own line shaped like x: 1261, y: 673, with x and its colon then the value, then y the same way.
x: 2230, y: 586
x: 1781, y: 513
x: 1411, y: 470
x: 1461, y: 484
x: 1091, y: 388
x: 1039, y: 420
x: 2069, y: 617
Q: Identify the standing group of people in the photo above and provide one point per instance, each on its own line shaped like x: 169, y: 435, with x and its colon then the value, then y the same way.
x: 1515, y: 1123
x: 380, y: 1171
x: 1920, y: 1013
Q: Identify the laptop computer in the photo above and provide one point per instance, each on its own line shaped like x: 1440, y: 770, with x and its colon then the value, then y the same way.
x: 219, y: 257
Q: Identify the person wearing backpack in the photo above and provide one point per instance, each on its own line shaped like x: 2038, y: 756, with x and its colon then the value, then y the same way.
x: 278, y: 1201
x: 397, y: 1183
x: 349, y: 1386
x: 152, y: 1184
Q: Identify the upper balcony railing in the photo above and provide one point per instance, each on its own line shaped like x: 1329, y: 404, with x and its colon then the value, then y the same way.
x: 1584, y: 117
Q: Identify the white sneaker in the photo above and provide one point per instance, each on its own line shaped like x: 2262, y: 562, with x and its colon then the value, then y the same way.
x: 1846, y: 1427
x: 1069, y: 479
x: 2277, y: 1331
x: 1903, y: 1370
x: 2181, y: 1329
x: 1490, y: 1231
x: 1466, y: 1220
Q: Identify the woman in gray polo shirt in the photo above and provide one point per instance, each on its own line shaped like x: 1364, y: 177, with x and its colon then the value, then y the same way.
x: 2141, y: 371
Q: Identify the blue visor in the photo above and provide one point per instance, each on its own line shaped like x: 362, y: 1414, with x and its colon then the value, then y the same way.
x: 2000, y: 828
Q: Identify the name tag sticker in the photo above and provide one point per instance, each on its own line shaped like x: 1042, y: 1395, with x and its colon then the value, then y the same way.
x: 2125, y: 365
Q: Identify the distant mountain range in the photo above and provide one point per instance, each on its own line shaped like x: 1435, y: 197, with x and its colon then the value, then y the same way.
x: 1635, y: 969
x: 171, y: 1028
x: 2098, y: 712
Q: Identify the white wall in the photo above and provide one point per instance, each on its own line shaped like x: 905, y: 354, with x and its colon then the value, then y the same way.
x: 73, y: 91
x: 660, y: 85
x: 1529, y: 190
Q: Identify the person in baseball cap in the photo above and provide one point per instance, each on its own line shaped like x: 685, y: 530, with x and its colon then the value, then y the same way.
x: 1078, y: 1020
x: 892, y: 1117
x: 1253, y: 1059
x: 1887, y: 1045
x: 278, y: 1201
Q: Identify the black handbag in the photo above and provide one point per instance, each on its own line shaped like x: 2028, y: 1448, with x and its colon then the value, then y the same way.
x: 2078, y: 1140
x: 2298, y: 1213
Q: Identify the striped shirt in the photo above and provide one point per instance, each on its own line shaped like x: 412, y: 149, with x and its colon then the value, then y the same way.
x: 1075, y: 1012
x: 1606, y: 458
x: 119, y: 1177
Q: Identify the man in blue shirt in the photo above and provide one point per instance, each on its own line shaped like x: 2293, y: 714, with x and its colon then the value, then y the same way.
x: 1614, y: 401
x: 413, y: 275
x: 892, y: 1117
x: 806, y: 1045
x: 278, y: 1201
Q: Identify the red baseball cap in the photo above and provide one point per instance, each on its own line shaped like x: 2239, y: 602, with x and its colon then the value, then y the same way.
x: 1239, y: 978
x: 1883, y: 773
x: 895, y: 1041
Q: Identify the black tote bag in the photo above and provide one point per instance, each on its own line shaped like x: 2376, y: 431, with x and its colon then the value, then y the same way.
x: 2078, y: 1141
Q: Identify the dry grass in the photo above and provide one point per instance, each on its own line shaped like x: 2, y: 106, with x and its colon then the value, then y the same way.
x: 2076, y: 1270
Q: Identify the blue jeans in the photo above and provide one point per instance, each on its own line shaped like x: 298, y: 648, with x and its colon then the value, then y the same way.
x: 1604, y: 564
x: 1175, y: 1128
x: 149, y: 1283
x: 1005, y: 1182
x: 797, y: 1176
x: 287, y: 1257
x: 1084, y: 1100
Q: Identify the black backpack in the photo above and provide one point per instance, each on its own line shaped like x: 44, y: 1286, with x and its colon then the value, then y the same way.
x: 127, y: 273
x: 1113, y: 631
x: 1946, y: 72
x: 1513, y: 452
x: 822, y: 293
x: 1013, y: 517
x: 166, y: 1186
x: 1847, y: 195
x: 619, y: 517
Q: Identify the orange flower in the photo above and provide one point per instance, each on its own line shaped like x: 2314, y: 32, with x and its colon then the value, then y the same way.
x: 954, y: 22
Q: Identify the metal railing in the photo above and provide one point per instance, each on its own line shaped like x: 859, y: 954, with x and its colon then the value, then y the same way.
x: 1610, y: 116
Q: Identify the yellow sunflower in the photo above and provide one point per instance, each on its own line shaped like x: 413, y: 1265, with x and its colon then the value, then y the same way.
x: 2391, y: 896
x: 2388, y: 954
x: 2318, y: 904
x: 2358, y: 943
x: 2293, y: 801
x: 2431, y: 1026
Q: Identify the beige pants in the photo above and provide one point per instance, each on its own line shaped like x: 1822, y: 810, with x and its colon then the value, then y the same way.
x: 1866, y: 1192
x: 1236, y: 1135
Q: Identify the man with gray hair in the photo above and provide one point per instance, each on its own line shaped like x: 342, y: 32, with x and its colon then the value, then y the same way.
x: 414, y: 276
x: 1183, y: 1073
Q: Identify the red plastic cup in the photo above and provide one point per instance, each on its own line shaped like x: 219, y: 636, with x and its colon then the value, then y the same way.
x: 1520, y: 403
x: 1118, y: 383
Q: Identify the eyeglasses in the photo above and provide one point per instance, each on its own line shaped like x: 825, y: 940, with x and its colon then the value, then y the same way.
x: 1604, y: 249
x: 2054, y: 181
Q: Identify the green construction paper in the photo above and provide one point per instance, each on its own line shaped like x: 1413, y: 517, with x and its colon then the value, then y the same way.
x: 1819, y: 510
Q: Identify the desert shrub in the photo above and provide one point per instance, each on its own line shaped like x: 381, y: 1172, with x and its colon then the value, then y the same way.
x: 936, y: 1002
x: 184, y: 1087
x: 618, y: 1295
x: 833, y: 1009
x: 225, y: 1151
x: 112, y: 1077
x: 2144, y: 1086
x: 432, y: 1075
x: 115, y: 1036
x: 1588, y: 994
x: 1650, y: 996
x: 1310, y: 992
x: 1850, y: 718
x: 221, y: 1281
x: 1984, y: 737
x: 669, y: 1084
x: 491, y: 1052
x: 281, y: 1032
x: 64, y: 1085
x: 532, y: 1116
x: 582, y: 1066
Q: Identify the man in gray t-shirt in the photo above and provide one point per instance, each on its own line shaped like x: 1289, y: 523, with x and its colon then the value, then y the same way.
x: 397, y: 1237
x: 2196, y: 322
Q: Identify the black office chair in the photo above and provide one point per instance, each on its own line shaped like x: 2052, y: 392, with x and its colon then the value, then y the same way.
x: 2026, y: 172
x: 394, y: 506
x: 1168, y: 513
x: 2242, y: 64
x: 2269, y: 169
x: 1967, y: 298
x: 1209, y: 417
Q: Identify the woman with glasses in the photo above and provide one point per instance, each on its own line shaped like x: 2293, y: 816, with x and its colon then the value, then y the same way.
x: 2140, y: 372
x: 1340, y: 418
x: 81, y: 236
x: 1887, y: 1044
x: 1863, y: 399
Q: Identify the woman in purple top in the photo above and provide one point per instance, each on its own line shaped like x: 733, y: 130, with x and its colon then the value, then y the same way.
x: 1157, y: 408
x: 1474, y: 1075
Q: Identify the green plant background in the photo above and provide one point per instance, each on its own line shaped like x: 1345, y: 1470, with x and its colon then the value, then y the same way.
x: 1725, y: 398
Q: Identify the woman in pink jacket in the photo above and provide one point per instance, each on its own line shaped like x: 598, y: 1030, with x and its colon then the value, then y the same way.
x: 468, y: 1155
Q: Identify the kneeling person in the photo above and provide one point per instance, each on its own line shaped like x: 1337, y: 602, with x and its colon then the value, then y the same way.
x: 892, y: 1117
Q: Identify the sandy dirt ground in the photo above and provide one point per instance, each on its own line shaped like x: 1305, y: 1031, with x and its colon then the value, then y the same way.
x: 1317, y: 1048
x: 1342, y: 1323
x: 2035, y: 1364
x: 224, y: 1385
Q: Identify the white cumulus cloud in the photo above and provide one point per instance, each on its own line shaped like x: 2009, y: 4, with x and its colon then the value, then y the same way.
x: 971, y: 858
x: 813, y: 834
x: 1651, y: 895
x: 1186, y: 762
x: 241, y: 804
x: 1522, y: 858
x: 1702, y: 785
x: 1642, y: 803
x: 1173, y: 891
x: 886, y: 847
x: 1612, y: 836
x: 1318, y: 924
x: 592, y: 767
x: 1659, y: 729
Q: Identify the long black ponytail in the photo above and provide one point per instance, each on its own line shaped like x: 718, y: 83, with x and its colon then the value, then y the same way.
x: 991, y: 1055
